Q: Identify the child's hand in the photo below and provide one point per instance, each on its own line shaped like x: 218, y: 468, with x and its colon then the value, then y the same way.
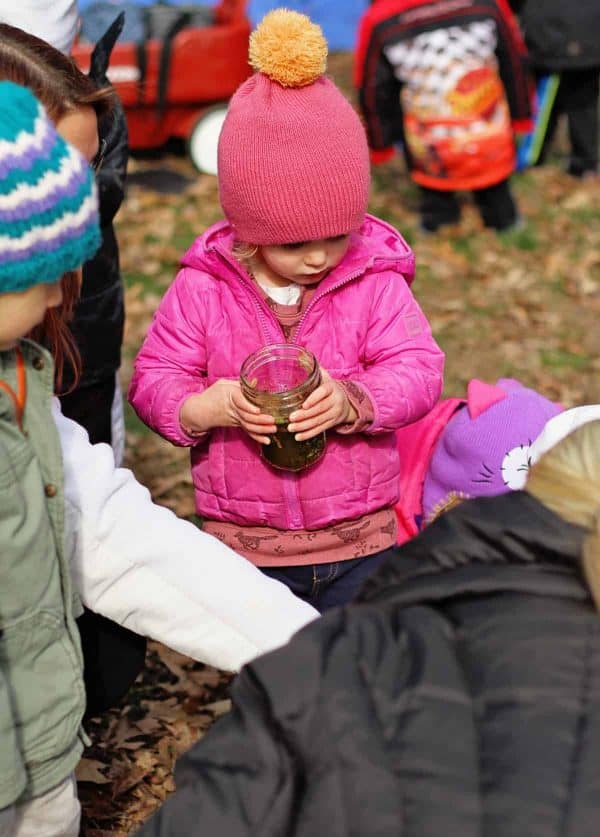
x: 326, y: 407
x: 249, y: 417
x: 223, y: 405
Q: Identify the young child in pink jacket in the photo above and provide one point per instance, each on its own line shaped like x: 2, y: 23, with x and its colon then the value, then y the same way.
x: 297, y: 260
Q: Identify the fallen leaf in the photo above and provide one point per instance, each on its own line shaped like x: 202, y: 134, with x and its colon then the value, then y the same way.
x: 90, y: 770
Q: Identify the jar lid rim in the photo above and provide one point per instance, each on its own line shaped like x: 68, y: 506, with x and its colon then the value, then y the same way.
x: 271, y: 347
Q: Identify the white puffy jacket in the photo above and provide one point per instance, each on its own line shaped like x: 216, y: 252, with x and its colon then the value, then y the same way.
x: 141, y: 566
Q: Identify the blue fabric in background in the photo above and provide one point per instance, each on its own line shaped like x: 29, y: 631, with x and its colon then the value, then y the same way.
x: 338, y: 18
x: 84, y: 4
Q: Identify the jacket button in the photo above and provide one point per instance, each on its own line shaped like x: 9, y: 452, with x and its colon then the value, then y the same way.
x: 38, y: 363
x: 50, y: 490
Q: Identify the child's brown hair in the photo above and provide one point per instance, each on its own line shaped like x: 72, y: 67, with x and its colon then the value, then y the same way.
x: 54, y: 78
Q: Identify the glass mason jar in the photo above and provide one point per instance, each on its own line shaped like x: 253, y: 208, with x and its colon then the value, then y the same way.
x: 278, y: 378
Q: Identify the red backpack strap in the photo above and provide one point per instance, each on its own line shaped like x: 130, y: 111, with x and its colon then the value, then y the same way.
x: 19, y: 397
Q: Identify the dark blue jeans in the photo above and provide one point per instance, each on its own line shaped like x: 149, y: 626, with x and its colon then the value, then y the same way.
x: 328, y: 585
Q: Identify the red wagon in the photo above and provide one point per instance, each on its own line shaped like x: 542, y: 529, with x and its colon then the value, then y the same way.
x: 206, y: 65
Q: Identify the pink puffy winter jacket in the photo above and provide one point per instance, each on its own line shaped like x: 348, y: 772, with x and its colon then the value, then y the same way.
x: 363, y: 324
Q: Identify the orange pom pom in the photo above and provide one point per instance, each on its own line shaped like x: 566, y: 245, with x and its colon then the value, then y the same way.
x: 288, y: 48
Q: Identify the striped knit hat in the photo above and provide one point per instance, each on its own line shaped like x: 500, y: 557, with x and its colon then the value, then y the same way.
x: 48, y: 203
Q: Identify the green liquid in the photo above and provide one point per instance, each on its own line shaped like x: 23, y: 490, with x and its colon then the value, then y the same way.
x: 290, y: 455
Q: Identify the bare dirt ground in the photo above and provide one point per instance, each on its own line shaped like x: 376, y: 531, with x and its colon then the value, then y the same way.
x: 524, y: 304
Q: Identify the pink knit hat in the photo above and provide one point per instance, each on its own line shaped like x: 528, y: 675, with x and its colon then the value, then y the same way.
x: 293, y: 161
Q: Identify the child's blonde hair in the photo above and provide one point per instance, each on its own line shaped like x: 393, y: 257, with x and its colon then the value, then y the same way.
x: 567, y: 480
x: 244, y: 253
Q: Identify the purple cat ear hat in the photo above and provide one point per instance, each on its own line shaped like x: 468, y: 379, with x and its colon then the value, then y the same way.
x: 484, y: 448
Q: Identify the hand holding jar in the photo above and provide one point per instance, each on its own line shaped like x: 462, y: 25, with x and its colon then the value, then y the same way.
x: 327, y: 406
x: 279, y: 380
x: 223, y: 405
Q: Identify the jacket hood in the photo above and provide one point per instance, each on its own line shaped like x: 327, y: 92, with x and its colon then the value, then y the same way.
x: 375, y: 244
x: 508, y: 543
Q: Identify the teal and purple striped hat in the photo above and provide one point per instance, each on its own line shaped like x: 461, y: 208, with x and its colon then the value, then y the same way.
x: 48, y: 202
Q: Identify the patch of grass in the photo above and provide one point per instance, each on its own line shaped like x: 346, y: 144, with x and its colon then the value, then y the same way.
x: 523, y: 180
x: 195, y: 519
x: 523, y: 238
x: 132, y: 423
x: 464, y: 245
x: 561, y: 359
x: 557, y: 283
x: 186, y: 230
x: 384, y: 213
x: 584, y: 215
x: 425, y: 274
x: 184, y: 237
x: 150, y: 284
x: 482, y: 310
x: 409, y: 234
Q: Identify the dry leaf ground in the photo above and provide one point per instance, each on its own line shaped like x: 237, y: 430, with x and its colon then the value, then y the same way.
x: 524, y: 304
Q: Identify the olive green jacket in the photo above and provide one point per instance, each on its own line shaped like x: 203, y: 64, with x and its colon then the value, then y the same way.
x: 42, y: 695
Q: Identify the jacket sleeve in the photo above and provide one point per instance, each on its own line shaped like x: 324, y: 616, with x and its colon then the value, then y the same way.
x: 378, y: 92
x: 13, y: 776
x: 240, y: 783
x: 513, y: 65
x: 308, y: 715
x: 247, y: 775
x: 171, y: 365
x: 113, y: 129
x: 402, y: 365
x: 138, y: 564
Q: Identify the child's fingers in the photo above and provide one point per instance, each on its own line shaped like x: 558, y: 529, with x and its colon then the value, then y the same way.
x: 260, y: 423
x: 321, y: 393
x: 309, y: 419
x: 310, y: 410
x: 312, y: 427
x: 260, y: 431
x: 250, y: 413
x: 317, y: 410
x: 262, y: 440
x: 256, y: 418
x: 240, y: 402
x: 314, y: 431
x: 257, y: 428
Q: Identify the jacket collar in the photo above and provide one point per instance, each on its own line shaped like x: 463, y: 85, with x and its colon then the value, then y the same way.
x: 377, y: 244
x: 509, y: 543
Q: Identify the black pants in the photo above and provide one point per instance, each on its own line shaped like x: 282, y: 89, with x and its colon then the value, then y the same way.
x: 91, y: 407
x: 496, y: 206
x: 113, y: 656
x: 577, y: 98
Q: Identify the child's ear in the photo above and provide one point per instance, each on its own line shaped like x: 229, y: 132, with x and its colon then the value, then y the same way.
x: 482, y: 396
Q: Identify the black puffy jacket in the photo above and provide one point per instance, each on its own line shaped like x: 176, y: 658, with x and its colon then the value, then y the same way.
x: 561, y: 35
x: 461, y: 698
x: 100, y: 312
